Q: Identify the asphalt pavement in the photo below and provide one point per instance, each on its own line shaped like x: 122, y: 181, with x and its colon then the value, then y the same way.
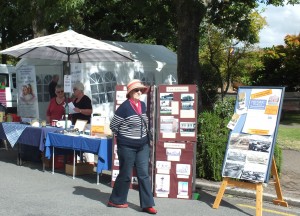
x: 28, y: 191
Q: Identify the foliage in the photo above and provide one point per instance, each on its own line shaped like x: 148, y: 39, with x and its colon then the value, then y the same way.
x: 208, y: 89
x: 281, y: 65
x: 278, y: 158
x: 212, y: 139
x: 224, y: 52
x: 174, y: 24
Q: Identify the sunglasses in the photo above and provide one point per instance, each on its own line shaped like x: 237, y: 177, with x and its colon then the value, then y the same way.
x: 60, y: 92
x: 74, y: 89
x: 137, y: 90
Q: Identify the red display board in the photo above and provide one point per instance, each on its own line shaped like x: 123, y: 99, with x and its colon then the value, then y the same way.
x: 176, y: 141
x: 177, y: 113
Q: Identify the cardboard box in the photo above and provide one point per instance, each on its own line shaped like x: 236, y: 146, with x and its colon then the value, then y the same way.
x: 80, y: 169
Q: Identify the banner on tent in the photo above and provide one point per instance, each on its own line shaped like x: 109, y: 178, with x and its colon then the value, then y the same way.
x: 27, y: 92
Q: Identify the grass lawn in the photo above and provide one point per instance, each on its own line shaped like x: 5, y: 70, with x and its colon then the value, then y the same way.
x: 289, y: 132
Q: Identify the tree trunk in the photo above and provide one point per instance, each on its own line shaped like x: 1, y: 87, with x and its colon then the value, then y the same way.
x: 38, y: 21
x: 3, y: 45
x: 189, y: 15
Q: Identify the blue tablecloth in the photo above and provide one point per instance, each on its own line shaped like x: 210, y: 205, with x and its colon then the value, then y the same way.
x: 25, y: 134
x: 99, y: 146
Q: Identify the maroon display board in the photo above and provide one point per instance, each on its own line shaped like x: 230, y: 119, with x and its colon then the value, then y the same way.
x: 177, y: 113
x: 176, y: 124
x: 174, y: 169
x: 120, y: 97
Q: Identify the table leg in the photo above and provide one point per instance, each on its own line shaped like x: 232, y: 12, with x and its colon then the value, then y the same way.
x: 19, y: 159
x: 43, y: 159
x: 74, y: 165
x: 52, y: 159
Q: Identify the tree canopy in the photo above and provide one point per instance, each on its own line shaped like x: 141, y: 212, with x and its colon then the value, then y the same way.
x: 174, y: 24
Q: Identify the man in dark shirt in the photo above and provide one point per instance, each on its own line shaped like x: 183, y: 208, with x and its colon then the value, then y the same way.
x: 52, y: 85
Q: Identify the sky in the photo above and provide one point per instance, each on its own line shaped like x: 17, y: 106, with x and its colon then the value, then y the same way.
x: 281, y: 22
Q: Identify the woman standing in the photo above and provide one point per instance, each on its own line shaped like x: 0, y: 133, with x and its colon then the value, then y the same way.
x: 82, y: 103
x: 56, y: 109
x: 129, y: 125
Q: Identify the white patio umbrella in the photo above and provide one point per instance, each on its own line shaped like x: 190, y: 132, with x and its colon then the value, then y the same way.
x: 68, y: 46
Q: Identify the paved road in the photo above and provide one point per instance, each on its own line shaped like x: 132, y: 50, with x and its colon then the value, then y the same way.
x: 28, y: 191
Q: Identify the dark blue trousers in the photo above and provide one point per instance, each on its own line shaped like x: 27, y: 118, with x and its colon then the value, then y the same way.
x: 128, y: 157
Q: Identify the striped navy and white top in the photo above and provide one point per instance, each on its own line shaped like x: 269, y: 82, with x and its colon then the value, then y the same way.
x: 128, y: 125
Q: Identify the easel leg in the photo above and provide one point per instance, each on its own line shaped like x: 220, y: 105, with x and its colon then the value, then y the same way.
x: 220, y: 193
x: 279, y: 200
x: 259, y: 199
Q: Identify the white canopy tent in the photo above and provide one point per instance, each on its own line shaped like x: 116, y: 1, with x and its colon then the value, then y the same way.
x: 154, y: 64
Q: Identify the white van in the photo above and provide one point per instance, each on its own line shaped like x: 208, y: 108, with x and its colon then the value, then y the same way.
x: 8, y: 88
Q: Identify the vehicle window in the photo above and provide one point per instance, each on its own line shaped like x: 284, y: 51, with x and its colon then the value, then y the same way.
x: 4, y: 81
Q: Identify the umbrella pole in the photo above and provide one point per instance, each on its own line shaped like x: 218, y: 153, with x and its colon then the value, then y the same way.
x: 67, y: 96
x: 66, y: 112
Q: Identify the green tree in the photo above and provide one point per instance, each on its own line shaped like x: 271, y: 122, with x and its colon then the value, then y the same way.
x: 230, y: 16
x: 223, y: 52
x: 281, y: 65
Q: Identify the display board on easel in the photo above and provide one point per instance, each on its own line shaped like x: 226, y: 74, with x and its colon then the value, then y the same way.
x: 250, y: 148
x: 254, y: 129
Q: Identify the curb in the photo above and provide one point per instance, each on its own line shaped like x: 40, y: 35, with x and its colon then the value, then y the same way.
x: 214, y: 187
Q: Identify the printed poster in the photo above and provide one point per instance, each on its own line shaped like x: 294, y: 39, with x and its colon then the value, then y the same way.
x: 27, y: 92
x: 263, y: 105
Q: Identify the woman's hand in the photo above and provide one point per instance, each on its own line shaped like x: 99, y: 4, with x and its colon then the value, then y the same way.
x: 76, y: 109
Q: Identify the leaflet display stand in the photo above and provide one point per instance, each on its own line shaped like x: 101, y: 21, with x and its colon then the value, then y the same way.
x: 176, y: 141
x: 249, y: 154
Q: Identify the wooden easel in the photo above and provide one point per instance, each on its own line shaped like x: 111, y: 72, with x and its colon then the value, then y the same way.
x: 253, y: 186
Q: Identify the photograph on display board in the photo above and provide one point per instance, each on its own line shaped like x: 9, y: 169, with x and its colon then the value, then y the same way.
x: 166, y: 96
x: 163, y: 167
x: 120, y: 97
x: 166, y: 110
x: 183, y: 189
x: 134, y: 180
x: 239, y: 141
x: 233, y: 121
x: 183, y: 170
x: 236, y: 155
x: 233, y: 169
x: 115, y: 173
x: 187, y: 105
x: 168, y: 124
x: 251, y: 142
x: 187, y: 97
x: 173, y: 154
x: 188, y: 129
x: 162, y: 185
x: 116, y: 163
x: 165, y: 103
x: 241, y: 105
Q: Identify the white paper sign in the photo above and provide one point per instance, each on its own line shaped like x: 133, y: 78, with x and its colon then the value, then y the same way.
x: 67, y: 84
